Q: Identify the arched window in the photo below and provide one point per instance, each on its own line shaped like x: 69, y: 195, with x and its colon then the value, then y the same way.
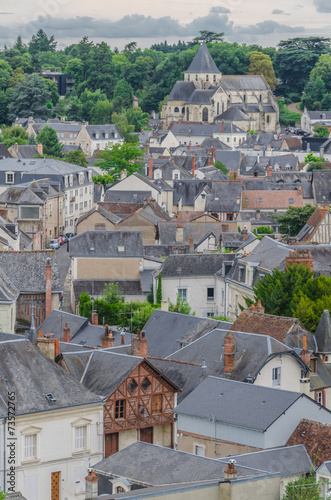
x: 207, y: 78
x: 205, y: 115
x: 176, y: 110
x: 183, y: 110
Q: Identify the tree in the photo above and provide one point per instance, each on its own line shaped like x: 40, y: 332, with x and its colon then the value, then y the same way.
x: 159, y: 289
x: 218, y: 164
x: 85, y: 305
x: 29, y: 98
x: 123, y: 94
x: 41, y: 43
x: 112, y: 294
x: 208, y: 36
x: 118, y: 157
x: 2, y: 494
x: 304, y: 488
x: 278, y: 289
x: 181, y: 307
x: 296, y: 58
x: 49, y: 139
x: 103, y: 179
x: 260, y: 64
x: 5, y: 73
x: 311, y: 300
x: 100, y: 70
x: 101, y: 112
x: 11, y: 135
x: 293, y: 220
x: 142, y: 315
x: 320, y: 131
x: 75, y: 67
x: 77, y: 157
x: 322, y: 69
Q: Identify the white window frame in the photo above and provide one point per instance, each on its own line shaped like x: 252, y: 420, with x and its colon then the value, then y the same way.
x: 71, y: 180
x: 81, y: 438
x: 210, y: 299
x: 30, y: 444
x: 8, y: 174
x: 182, y: 292
x: 319, y: 397
x: 199, y: 450
x: 276, y: 376
x: 66, y: 181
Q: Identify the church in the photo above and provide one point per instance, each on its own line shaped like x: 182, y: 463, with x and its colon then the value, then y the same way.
x: 207, y: 96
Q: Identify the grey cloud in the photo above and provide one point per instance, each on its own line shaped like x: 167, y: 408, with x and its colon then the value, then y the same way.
x: 267, y: 27
x: 280, y: 12
x: 219, y: 10
x: 322, y: 5
x: 6, y: 13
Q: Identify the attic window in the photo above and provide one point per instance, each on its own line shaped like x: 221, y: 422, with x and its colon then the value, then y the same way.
x: 10, y: 177
x: 132, y: 386
x: 50, y: 398
x: 260, y: 200
x: 145, y: 384
x: 246, y: 200
x: 121, y: 249
x: 291, y: 201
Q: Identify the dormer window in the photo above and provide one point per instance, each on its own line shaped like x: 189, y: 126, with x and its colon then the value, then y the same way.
x: 71, y: 180
x: 188, y: 77
x: 66, y: 181
x: 97, y: 135
x: 81, y: 178
x: 10, y: 177
x: 90, y: 176
x: 106, y: 135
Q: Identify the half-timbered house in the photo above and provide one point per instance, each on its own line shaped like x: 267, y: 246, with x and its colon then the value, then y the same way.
x: 138, y: 399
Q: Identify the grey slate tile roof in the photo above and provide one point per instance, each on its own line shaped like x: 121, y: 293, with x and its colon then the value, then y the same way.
x: 319, y: 115
x: 20, y: 195
x: 192, y: 129
x: 96, y: 287
x: 158, y: 465
x: 56, y: 320
x: 160, y: 251
x: 231, y: 159
x: 27, y: 270
x: 106, y: 244
x: 243, y: 82
x: 8, y: 291
x: 233, y: 114
x: 114, y: 196
x: 321, y: 378
x: 181, y: 91
x: 323, y: 333
x: 215, y: 143
x: 102, y: 211
x: 224, y: 197
x: 15, y: 496
x: 207, y: 264
x: 164, y: 331
x: 27, y: 371
x: 203, y: 62
x: 286, y: 460
x: 322, y: 182
x: 187, y: 190
x: 111, y: 129
x: 201, y: 96
x: 27, y: 151
x: 4, y: 153
x: 237, y: 403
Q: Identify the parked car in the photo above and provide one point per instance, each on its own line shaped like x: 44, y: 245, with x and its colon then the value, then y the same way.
x: 54, y: 244
x: 60, y: 240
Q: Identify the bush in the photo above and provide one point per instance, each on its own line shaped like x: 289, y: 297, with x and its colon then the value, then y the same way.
x: 295, y: 97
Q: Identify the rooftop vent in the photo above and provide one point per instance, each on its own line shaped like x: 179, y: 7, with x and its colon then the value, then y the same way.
x: 50, y: 398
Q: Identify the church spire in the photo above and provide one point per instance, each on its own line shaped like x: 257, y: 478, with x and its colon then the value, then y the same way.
x: 203, y: 63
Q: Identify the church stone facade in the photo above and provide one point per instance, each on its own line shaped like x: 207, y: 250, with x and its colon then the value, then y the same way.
x: 207, y: 96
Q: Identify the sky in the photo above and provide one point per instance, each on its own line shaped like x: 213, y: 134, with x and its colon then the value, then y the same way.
x: 149, y: 21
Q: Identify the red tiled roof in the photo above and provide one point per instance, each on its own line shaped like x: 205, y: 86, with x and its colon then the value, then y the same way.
x: 187, y: 215
x: 314, y: 221
x: 265, y: 324
x: 316, y: 437
x: 271, y: 199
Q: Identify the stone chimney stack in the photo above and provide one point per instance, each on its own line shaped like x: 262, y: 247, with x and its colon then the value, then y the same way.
x: 179, y: 233
x: 188, y: 147
x: 139, y: 344
x: 150, y: 168
x: 190, y: 242
x: 231, y: 472
x: 258, y: 308
x: 210, y: 160
x: 40, y: 149
x: 229, y: 352
x: 245, y: 233
x: 305, y: 354
x: 108, y: 339
x: 91, y: 486
x: 48, y: 345
x: 300, y: 257
x: 48, y: 291
x: 66, y: 333
x: 222, y: 126
x: 193, y: 166
x: 95, y: 318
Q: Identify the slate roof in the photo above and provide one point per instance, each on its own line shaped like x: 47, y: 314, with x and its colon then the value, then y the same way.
x: 193, y: 129
x: 158, y: 465
x: 121, y: 209
x: 233, y: 114
x: 102, y: 211
x: 181, y: 91
x: 27, y: 270
x: 8, y: 291
x: 4, y: 153
x: 323, y: 333
x: 312, y: 224
x: 167, y: 232
x: 207, y: 264
x: 160, y: 251
x: 114, y: 196
x: 231, y: 159
x: 319, y: 115
x: 322, y: 182
x: 111, y: 129
x: 289, y: 331
x: 316, y: 437
x: 237, y: 404
x: 243, y: 82
x: 166, y: 330
x: 201, y: 96
x: 293, y: 143
x: 286, y: 460
x: 321, y: 377
x: 108, y: 244
x: 27, y: 371
x: 26, y: 151
x: 187, y: 190
x: 224, y: 197
x: 56, y: 320
x: 15, y: 496
x: 20, y: 195
x: 215, y: 143
x: 203, y: 62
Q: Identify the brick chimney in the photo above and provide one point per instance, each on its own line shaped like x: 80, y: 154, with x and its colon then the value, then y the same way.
x: 49, y: 346
x: 269, y: 171
x: 108, y: 339
x: 305, y: 354
x: 95, y: 318
x: 139, y: 344
x: 16, y: 147
x: 222, y: 126
x: 91, y: 486
x: 40, y: 149
x: 231, y: 472
x: 188, y: 147
x: 48, y: 291
x: 245, y: 233
x: 300, y: 257
x: 179, y: 233
x: 229, y: 352
x: 150, y: 168
x: 259, y: 307
x: 193, y: 166
x: 66, y: 333
x: 190, y: 242
x: 210, y: 159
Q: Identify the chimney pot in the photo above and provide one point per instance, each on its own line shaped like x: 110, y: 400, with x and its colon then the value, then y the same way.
x: 139, y: 344
x: 95, y: 318
x: 229, y: 352
x: 66, y: 333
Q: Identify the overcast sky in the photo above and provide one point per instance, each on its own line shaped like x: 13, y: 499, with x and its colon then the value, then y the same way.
x: 264, y: 22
